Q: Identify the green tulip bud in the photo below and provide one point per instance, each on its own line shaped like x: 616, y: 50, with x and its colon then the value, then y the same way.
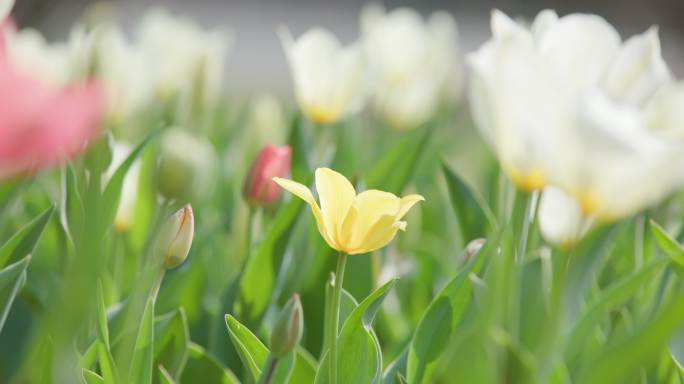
x: 288, y: 328
x: 186, y: 165
x: 176, y: 237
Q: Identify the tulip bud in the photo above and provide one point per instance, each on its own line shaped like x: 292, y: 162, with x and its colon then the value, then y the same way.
x: 186, y: 164
x: 176, y: 237
x: 272, y: 161
x: 288, y: 328
x: 472, y: 249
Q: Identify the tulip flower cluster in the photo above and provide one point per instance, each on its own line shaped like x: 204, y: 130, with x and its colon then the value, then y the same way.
x: 408, y: 65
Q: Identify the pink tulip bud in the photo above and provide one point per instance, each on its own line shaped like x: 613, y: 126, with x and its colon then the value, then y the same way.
x: 42, y: 125
x: 273, y: 161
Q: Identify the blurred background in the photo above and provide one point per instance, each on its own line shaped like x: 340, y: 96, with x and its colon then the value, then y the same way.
x: 257, y: 63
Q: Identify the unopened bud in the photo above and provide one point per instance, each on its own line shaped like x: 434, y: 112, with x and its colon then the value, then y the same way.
x: 272, y: 161
x: 186, y: 165
x: 176, y: 237
x: 472, y: 249
x: 288, y: 328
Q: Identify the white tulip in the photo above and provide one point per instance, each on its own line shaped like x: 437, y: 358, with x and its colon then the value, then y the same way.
x: 415, y: 62
x: 185, y: 58
x: 124, y: 71
x: 29, y: 52
x: 329, y: 79
x: 129, y: 190
x: 5, y: 8
x: 566, y: 103
x: 561, y: 221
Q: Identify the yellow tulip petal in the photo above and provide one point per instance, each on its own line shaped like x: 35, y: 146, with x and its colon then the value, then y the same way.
x: 305, y: 194
x: 378, y: 236
x: 337, y: 195
x: 369, y: 206
x: 406, y: 203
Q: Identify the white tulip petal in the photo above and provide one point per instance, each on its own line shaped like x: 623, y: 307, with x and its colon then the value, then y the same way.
x: 560, y: 218
x: 638, y: 69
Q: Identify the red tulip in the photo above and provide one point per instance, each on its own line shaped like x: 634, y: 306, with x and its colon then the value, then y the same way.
x: 273, y: 161
x: 43, y: 125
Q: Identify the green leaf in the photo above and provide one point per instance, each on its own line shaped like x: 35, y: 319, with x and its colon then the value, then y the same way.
x: 106, y: 361
x: 360, y: 357
x: 204, y: 368
x: 143, y: 353
x: 304, y: 370
x: 471, y: 210
x: 90, y: 377
x: 164, y: 376
x: 251, y: 350
x: 395, y: 367
x: 258, y: 281
x: 112, y: 192
x: 171, y: 340
x: 621, y: 361
x: 297, y: 367
x: 12, y: 278
x: 300, y: 165
x: 395, y: 169
x: 611, y: 298
x: 24, y: 241
x: 676, y: 347
x: 439, y: 323
x: 668, y: 244
x: 72, y: 208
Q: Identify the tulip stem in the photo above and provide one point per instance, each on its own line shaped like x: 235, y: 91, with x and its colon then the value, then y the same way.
x: 269, y: 370
x: 333, y: 327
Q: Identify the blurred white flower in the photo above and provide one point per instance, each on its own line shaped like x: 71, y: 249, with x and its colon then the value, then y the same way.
x: 129, y: 190
x: 124, y: 71
x: 561, y: 221
x: 415, y: 62
x: 329, y: 79
x: 566, y: 103
x: 185, y: 59
x: 266, y: 119
x: 5, y: 8
x: 28, y: 51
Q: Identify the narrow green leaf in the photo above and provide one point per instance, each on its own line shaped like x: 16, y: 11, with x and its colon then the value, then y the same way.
x: 620, y: 361
x: 106, y: 360
x: 395, y: 169
x: 397, y: 366
x: 164, y: 376
x: 360, y: 357
x: 171, y: 340
x: 473, y: 214
x: 251, y: 350
x: 439, y: 323
x: 202, y: 365
x: 611, y: 298
x: 90, y: 377
x: 143, y: 353
x: 261, y: 272
x: 668, y: 244
x: 24, y: 241
x: 12, y: 278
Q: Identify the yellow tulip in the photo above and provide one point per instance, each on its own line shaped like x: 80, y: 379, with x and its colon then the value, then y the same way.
x: 348, y: 222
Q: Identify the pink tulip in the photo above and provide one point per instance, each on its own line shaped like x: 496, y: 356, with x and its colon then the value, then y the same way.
x: 42, y: 125
x: 272, y: 161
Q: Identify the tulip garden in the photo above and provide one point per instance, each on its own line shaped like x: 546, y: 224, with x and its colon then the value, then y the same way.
x: 408, y: 213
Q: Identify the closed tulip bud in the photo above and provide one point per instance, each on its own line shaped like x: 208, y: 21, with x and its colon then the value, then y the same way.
x: 288, y: 328
x: 176, y: 237
x: 186, y: 165
x: 272, y: 161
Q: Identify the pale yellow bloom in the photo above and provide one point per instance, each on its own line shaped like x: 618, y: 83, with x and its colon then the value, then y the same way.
x: 348, y: 222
